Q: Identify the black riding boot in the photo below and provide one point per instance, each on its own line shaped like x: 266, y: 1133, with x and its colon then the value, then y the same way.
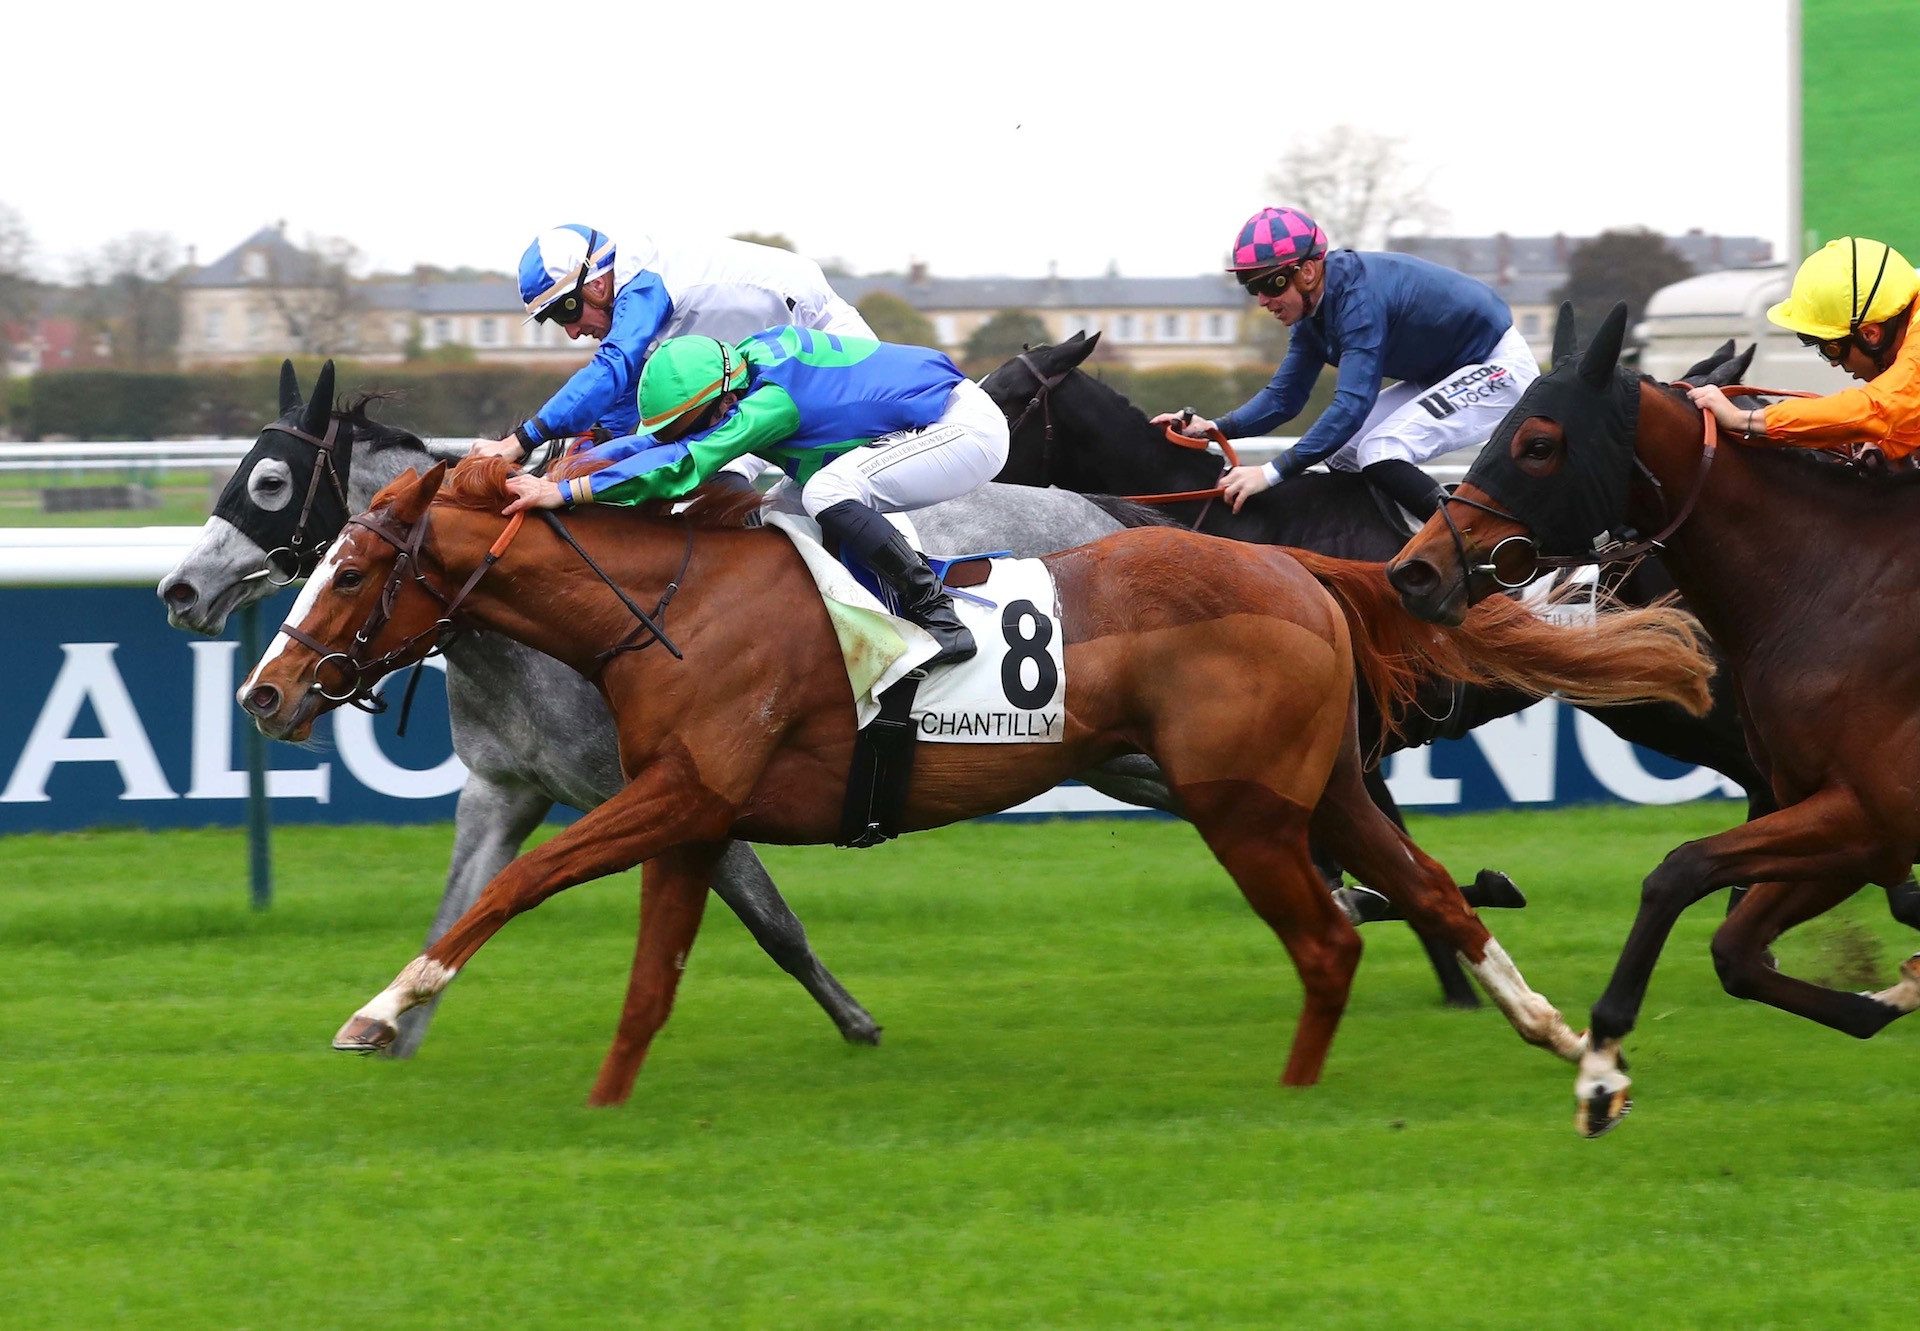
x: 879, y: 545
x: 1406, y: 485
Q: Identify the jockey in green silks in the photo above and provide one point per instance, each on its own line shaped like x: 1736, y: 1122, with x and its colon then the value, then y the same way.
x: 863, y: 427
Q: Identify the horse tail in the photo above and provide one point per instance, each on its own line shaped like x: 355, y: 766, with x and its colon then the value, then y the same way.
x: 1626, y: 655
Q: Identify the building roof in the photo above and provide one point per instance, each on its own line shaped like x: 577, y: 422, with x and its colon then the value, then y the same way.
x: 284, y: 264
x: 1527, y: 270
x: 497, y: 295
x: 1207, y: 291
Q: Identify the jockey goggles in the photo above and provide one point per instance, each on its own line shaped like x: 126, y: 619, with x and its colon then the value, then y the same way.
x: 1268, y: 282
x: 1833, y: 350
x: 567, y: 309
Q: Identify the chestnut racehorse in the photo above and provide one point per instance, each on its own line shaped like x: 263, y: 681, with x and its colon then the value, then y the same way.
x: 1229, y: 664
x: 1802, y: 571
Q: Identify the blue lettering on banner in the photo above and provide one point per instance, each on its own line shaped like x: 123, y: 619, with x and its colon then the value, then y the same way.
x: 110, y: 718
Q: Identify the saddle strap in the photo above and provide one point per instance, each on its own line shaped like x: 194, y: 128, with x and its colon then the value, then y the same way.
x: 882, y: 767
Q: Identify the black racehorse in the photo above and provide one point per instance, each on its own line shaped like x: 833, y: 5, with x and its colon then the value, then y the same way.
x: 1077, y: 433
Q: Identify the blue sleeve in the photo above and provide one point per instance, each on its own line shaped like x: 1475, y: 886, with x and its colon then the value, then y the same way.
x: 1280, y: 401
x: 602, y: 390
x: 1362, y: 334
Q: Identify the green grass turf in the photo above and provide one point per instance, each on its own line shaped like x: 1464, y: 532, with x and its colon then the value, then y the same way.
x: 1073, y: 1121
x: 183, y: 498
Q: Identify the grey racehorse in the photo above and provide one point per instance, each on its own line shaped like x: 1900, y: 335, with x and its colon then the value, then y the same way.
x: 531, y: 732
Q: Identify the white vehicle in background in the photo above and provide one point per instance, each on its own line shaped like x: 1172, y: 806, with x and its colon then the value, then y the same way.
x: 1686, y: 321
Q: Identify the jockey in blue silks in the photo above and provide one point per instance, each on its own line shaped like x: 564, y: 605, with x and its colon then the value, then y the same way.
x: 1449, y: 340
x: 634, y: 295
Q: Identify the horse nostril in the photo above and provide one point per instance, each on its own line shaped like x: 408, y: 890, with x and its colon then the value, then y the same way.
x: 263, y: 700
x: 180, y: 595
x: 1413, y: 577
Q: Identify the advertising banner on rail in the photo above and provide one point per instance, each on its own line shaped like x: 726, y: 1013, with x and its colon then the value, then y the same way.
x: 112, y: 719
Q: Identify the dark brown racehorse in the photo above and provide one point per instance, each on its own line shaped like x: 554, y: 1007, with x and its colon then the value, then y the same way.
x: 1803, y: 571
x: 1232, y: 665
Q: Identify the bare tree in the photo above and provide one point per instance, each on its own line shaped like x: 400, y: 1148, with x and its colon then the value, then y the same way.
x: 17, y: 287
x: 128, y: 295
x: 1358, y: 185
x: 322, y: 307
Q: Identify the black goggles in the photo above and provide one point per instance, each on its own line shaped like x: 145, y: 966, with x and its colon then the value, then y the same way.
x: 1832, y: 349
x: 1267, y: 282
x: 567, y: 309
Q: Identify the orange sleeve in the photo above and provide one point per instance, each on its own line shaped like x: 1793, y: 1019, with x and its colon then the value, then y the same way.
x: 1885, y: 411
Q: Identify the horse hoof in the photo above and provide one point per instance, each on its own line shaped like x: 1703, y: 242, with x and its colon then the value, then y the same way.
x: 868, y: 1035
x: 365, y: 1035
x: 1601, y: 1112
x: 1493, y: 890
x: 1363, y: 905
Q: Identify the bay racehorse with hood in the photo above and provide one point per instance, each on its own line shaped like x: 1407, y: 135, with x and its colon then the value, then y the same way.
x: 1801, y: 568
x: 1232, y: 666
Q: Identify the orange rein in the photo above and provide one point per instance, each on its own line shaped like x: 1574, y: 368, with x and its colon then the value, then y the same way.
x: 1186, y: 441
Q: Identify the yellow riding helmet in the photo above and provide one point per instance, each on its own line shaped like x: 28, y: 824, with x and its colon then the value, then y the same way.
x: 1848, y: 282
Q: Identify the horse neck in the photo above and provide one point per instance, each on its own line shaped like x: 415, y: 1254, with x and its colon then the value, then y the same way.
x: 377, y: 457
x: 1724, y: 558
x: 542, y: 594
x: 1116, y: 451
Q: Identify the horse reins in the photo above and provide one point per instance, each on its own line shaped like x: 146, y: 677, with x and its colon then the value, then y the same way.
x: 1616, y: 551
x: 359, y: 689
x: 363, y: 675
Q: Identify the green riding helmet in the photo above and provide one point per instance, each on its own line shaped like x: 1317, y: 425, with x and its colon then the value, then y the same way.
x: 684, y: 374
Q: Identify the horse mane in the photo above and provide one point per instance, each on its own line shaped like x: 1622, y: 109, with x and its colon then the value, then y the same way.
x: 1129, y: 514
x: 480, y: 484
x: 380, y: 435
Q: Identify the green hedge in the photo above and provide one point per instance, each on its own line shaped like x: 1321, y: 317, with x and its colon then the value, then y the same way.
x: 461, y: 401
x: 118, y: 404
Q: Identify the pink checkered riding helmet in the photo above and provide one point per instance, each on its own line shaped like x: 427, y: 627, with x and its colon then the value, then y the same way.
x: 1276, y: 237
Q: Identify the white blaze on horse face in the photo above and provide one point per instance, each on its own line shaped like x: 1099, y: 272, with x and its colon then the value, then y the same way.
x: 1537, y: 1020
x: 321, y: 580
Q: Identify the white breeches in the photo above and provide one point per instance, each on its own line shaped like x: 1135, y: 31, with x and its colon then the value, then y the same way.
x: 1419, y: 422
x: 911, y: 469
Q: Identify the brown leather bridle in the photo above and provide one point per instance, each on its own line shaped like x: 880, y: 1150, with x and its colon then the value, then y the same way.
x: 302, y: 559
x: 364, y: 674
x: 1616, y: 551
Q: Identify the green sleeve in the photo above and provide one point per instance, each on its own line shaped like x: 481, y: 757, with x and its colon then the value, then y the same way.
x: 760, y: 420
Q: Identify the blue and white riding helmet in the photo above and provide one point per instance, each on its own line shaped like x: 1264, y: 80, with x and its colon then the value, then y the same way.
x: 559, y: 262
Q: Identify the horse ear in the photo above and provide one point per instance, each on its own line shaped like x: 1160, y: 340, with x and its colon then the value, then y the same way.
x: 320, y: 405
x: 289, y: 388
x: 1079, y: 350
x: 1739, y: 365
x: 1565, y: 339
x: 1603, y: 353
x: 411, y: 503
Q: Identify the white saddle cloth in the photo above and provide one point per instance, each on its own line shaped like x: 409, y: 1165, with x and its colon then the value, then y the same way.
x: 1013, y: 692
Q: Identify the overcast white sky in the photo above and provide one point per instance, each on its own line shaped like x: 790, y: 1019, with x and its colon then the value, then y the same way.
x: 980, y: 137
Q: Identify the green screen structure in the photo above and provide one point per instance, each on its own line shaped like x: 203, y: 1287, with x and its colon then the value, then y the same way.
x: 1860, y: 122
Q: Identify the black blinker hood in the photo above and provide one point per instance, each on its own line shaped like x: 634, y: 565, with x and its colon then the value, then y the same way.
x: 1597, y: 407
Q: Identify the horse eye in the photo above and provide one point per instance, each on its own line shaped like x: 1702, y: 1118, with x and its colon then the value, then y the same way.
x: 1538, y: 447
x: 347, y: 579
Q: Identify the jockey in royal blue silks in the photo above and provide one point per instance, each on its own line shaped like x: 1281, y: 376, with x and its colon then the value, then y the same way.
x: 862, y: 427
x: 634, y: 295
x: 1447, y: 338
